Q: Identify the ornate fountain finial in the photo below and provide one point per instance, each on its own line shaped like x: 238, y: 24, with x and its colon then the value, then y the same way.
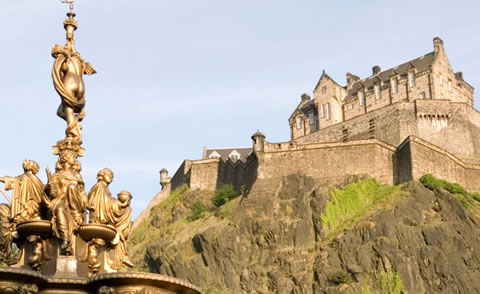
x: 67, y: 73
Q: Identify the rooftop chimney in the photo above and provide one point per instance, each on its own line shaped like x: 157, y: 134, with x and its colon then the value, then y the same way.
x: 437, y: 44
x: 459, y: 75
x: 305, y: 97
x: 375, y: 70
x: 351, y: 79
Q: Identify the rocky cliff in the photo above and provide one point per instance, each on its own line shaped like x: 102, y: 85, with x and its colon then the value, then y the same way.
x: 292, y: 235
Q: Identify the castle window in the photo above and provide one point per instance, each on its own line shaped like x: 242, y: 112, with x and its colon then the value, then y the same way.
x: 328, y: 111
x: 323, y: 110
x: 441, y: 80
x: 298, y: 120
x: 394, y: 85
x: 324, y: 89
x: 378, y: 92
x: 422, y: 95
x: 411, y: 79
x: 311, y: 117
x: 361, y: 97
x: 450, y: 85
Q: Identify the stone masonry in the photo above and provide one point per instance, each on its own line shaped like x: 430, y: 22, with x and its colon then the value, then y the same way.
x: 395, y: 125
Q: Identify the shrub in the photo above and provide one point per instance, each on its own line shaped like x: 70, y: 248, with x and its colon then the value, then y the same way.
x: 458, y: 191
x: 475, y: 196
x: 224, y: 194
x: 198, y: 210
x: 430, y: 182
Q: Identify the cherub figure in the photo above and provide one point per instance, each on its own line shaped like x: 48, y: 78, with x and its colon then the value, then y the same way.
x: 120, y: 217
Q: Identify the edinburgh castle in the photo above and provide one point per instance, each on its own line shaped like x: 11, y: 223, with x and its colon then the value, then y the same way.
x: 395, y: 125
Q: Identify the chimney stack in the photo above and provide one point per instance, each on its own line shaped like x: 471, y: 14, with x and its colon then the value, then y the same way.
x: 437, y: 44
x: 305, y: 97
x: 351, y: 79
x: 375, y: 70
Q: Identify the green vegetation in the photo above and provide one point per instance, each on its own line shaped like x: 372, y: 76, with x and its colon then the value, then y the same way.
x: 174, y: 196
x: 224, y: 211
x: 198, y: 211
x: 340, y: 278
x: 352, y: 202
x: 224, y: 195
x: 386, y: 283
x: 466, y: 198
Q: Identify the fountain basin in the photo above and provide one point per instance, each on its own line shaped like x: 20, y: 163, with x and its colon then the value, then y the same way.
x: 34, y: 228
x: 97, y: 231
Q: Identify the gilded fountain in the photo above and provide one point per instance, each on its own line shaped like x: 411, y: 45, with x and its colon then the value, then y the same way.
x: 56, y: 237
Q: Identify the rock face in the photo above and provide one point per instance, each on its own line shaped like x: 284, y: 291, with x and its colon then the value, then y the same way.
x: 273, y: 241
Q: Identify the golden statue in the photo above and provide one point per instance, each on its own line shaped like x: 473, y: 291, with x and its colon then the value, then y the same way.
x: 104, y: 209
x: 100, y: 198
x: 67, y: 199
x: 120, y: 217
x: 67, y: 73
x: 28, y: 193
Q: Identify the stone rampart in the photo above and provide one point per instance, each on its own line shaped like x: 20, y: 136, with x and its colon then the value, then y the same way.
x: 437, y: 121
x: 204, y: 174
x: 328, y: 162
x: 181, y: 176
x: 426, y: 158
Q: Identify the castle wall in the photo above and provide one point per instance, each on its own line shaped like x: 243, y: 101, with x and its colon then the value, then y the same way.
x: 181, y: 175
x: 240, y: 174
x: 382, y: 124
x: 429, y: 158
x: 204, y: 174
x: 438, y: 121
x: 330, y: 162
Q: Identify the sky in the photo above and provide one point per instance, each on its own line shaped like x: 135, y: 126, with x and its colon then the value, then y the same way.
x: 174, y: 76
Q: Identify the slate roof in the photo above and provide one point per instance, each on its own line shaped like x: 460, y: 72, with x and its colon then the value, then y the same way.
x: 224, y: 153
x: 421, y: 63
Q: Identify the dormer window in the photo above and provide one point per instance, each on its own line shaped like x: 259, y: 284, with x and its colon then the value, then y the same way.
x: 411, y: 79
x: 395, y: 85
x: 234, y: 155
x: 298, y: 121
x: 361, y: 97
x: 378, y: 92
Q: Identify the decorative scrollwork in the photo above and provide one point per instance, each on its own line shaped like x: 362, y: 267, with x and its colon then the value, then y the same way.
x: 28, y: 289
x: 106, y: 290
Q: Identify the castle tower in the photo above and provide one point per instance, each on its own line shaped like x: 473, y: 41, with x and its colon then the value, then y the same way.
x: 258, y: 142
x: 164, y: 178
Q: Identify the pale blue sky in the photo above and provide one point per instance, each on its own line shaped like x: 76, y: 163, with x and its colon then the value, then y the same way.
x: 174, y: 76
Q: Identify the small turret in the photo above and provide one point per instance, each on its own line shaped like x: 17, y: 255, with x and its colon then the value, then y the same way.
x: 258, y: 142
x: 164, y: 178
